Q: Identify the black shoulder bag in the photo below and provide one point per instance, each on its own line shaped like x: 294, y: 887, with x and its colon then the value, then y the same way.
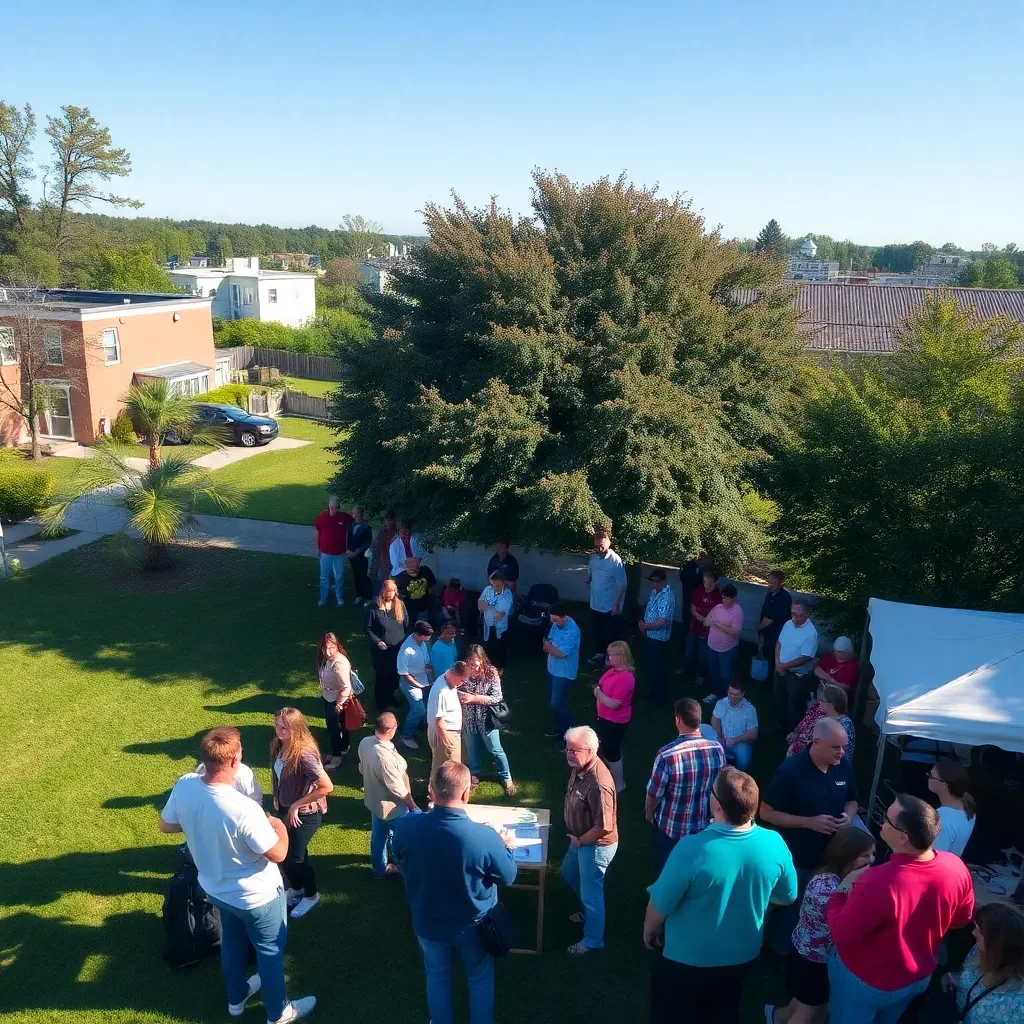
x: 941, y: 1008
x: 497, y: 716
x: 496, y: 932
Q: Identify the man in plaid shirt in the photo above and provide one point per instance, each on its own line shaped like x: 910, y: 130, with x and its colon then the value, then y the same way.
x: 678, y: 794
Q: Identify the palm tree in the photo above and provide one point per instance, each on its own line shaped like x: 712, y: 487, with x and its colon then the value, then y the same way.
x: 155, y: 410
x: 160, y: 500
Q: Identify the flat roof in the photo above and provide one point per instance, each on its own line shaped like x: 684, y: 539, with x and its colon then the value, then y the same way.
x: 227, y: 272
x: 85, y: 300
x: 172, y: 370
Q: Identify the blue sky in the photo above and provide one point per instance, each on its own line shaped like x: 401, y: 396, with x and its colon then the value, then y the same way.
x: 879, y: 122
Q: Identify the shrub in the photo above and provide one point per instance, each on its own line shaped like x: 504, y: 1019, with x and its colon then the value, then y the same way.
x: 233, y: 394
x: 121, y: 430
x: 25, y: 489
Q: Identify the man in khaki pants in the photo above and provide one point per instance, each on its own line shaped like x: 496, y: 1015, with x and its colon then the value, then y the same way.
x: 444, y: 717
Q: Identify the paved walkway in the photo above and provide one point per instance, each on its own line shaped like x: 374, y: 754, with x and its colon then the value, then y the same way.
x: 217, y: 459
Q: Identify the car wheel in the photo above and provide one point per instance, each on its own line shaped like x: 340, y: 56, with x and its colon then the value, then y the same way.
x: 171, y: 437
x: 248, y: 439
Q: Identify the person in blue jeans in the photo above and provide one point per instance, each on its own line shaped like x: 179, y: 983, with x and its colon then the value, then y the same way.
x: 479, y: 693
x: 735, y: 723
x: 237, y: 848
x: 415, y: 673
x: 562, y: 646
x: 590, y: 820
x: 452, y: 868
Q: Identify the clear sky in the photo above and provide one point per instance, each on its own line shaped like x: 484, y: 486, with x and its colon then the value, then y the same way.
x: 874, y: 121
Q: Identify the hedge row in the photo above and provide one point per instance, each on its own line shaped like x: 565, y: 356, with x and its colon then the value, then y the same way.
x: 25, y: 489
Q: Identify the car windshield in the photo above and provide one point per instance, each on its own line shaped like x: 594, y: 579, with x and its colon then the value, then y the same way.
x: 231, y: 410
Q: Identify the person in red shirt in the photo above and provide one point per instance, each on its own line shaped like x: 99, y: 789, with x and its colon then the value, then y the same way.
x: 330, y: 530
x: 888, y: 922
x: 702, y: 600
x: 839, y: 666
x: 453, y: 604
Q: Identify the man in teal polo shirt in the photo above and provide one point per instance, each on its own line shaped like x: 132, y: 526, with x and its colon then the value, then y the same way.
x: 708, y: 905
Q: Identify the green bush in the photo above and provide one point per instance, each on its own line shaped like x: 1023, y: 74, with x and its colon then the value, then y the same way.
x: 25, y: 489
x: 234, y: 394
x: 121, y: 430
x: 326, y: 335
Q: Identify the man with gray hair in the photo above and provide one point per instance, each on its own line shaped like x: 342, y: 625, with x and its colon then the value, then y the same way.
x: 330, y: 535
x: 795, y: 651
x: 590, y: 820
x: 452, y: 868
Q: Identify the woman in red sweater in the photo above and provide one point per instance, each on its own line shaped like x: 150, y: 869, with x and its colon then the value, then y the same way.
x: 887, y: 922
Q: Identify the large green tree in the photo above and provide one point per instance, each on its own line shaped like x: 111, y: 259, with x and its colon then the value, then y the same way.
x: 996, y: 270
x: 772, y: 241
x: 907, y: 481
x: 17, y: 130
x: 134, y: 269
x: 533, y: 378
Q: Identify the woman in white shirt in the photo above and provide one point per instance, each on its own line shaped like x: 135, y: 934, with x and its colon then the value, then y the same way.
x: 948, y: 781
x: 334, y: 672
x: 495, y: 604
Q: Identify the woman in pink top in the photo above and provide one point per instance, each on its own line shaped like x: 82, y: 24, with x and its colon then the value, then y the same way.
x: 725, y: 623
x: 614, y: 693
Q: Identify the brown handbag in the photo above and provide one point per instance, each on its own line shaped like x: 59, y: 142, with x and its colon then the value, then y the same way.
x: 353, y: 714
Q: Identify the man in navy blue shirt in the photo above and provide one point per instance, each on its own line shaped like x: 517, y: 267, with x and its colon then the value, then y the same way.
x: 452, y: 868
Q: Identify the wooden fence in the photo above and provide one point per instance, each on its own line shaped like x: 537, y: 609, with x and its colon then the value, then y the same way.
x: 291, y: 364
x: 298, y: 403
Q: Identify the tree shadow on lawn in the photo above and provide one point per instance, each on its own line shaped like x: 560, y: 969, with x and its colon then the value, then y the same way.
x: 225, y: 617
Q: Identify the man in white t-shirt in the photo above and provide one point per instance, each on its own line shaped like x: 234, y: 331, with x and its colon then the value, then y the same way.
x: 236, y: 848
x: 795, y: 653
x: 606, y: 576
x: 444, y: 716
x: 414, y: 674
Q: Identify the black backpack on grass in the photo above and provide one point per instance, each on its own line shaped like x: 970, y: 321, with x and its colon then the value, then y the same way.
x: 191, y: 921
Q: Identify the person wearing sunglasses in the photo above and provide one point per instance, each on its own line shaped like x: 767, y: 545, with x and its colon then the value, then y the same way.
x: 888, y: 922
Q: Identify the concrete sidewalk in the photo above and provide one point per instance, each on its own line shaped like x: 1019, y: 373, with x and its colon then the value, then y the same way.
x: 217, y: 459
x: 93, y: 517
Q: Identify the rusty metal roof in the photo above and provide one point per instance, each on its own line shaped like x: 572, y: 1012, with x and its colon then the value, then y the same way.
x: 864, y: 318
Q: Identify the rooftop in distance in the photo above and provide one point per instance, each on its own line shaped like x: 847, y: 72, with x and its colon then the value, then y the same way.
x: 82, y: 299
x: 237, y: 266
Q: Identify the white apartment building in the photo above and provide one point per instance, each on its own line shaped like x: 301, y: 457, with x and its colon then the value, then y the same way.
x: 241, y: 290
x: 804, y: 265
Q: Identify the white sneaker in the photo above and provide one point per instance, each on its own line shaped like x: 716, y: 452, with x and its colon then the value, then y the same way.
x: 305, y: 905
x: 292, y: 896
x: 710, y: 699
x: 295, y: 1010
x: 237, y: 1009
x: 408, y: 742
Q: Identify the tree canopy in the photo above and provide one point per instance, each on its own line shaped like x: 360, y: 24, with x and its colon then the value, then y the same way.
x: 536, y: 378
x: 906, y: 481
x: 772, y: 241
x: 133, y: 269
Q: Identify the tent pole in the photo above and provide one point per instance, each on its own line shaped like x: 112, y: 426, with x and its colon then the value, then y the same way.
x: 878, y: 771
x: 862, y: 690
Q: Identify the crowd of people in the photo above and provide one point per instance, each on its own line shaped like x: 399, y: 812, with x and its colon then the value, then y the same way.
x: 735, y: 871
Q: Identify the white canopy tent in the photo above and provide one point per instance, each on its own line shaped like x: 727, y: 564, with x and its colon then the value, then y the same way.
x: 947, y: 674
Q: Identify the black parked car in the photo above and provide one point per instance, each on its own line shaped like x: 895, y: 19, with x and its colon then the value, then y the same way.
x: 244, y: 428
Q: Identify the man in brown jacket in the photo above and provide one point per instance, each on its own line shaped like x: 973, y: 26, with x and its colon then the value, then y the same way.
x: 590, y: 820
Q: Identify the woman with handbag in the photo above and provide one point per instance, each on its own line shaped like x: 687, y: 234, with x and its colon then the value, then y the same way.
x: 614, y: 696
x: 334, y: 672
x: 989, y: 989
x: 300, y: 793
x: 387, y: 624
x: 483, y: 713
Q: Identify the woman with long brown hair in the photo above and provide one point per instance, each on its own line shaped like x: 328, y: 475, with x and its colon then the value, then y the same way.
x: 334, y: 672
x: 990, y: 985
x: 300, y: 793
x: 479, y: 693
x: 387, y: 623
x: 948, y: 780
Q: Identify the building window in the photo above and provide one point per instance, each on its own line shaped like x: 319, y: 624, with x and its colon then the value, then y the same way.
x: 111, y: 347
x: 52, y: 345
x: 249, y: 297
x: 191, y: 386
x: 8, y: 353
x: 272, y: 295
x: 236, y: 295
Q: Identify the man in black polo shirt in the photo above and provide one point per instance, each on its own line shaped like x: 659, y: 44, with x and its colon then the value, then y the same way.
x: 810, y: 797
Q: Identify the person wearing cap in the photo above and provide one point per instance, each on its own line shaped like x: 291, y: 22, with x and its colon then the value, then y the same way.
x: 840, y: 666
x: 657, y: 630
x: 495, y: 605
x: 414, y: 671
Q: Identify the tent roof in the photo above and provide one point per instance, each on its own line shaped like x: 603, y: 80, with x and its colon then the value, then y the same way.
x: 949, y: 673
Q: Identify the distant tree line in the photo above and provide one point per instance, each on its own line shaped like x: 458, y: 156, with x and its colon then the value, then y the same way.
x: 990, y: 267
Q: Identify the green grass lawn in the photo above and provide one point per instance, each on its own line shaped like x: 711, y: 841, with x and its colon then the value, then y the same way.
x: 111, y: 677
x: 316, y: 388
x: 289, y: 486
